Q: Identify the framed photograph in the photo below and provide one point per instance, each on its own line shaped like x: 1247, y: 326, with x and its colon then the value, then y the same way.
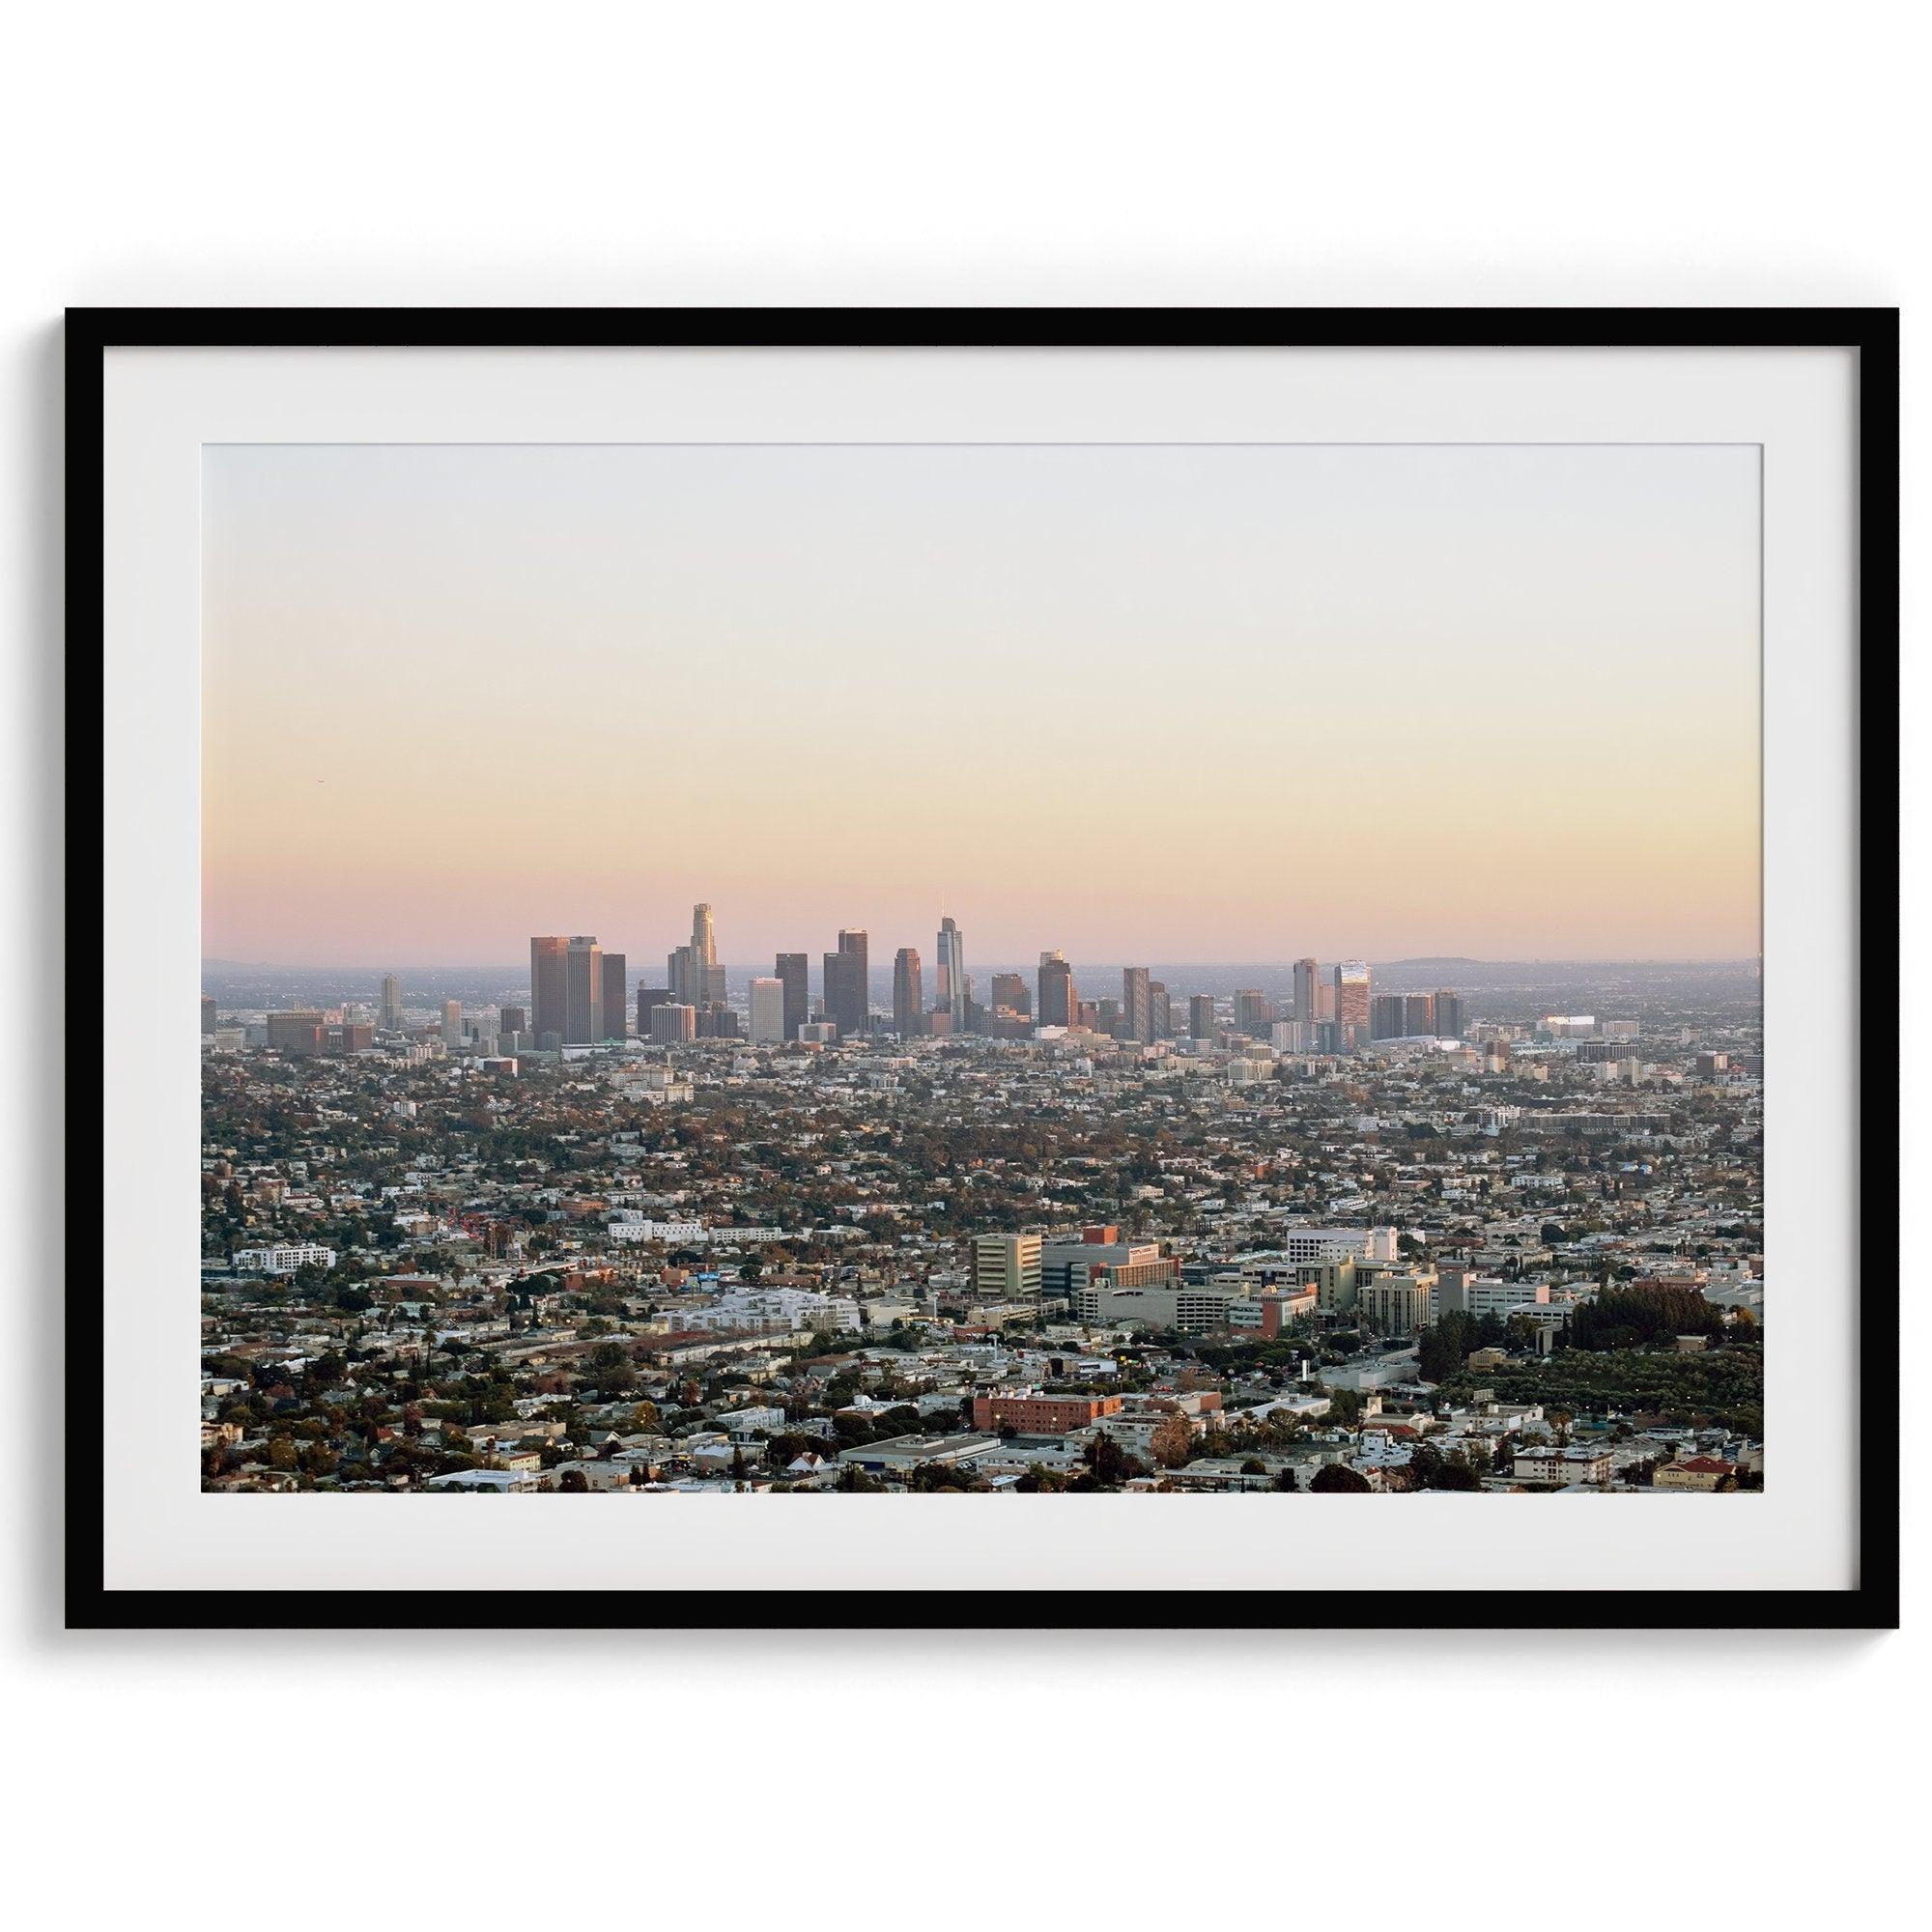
x: 986, y: 968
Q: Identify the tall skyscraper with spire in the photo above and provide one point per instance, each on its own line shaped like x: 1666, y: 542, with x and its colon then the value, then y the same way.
x: 706, y: 949
x: 710, y: 977
x: 950, y: 982
x: 695, y: 978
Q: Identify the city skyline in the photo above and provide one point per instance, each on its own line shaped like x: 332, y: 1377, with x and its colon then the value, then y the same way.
x: 1231, y: 703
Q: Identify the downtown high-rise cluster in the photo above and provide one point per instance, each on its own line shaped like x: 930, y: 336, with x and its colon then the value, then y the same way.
x: 579, y: 998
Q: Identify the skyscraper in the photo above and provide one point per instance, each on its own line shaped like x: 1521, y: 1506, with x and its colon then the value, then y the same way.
x: 1200, y: 1016
x: 612, y: 1007
x: 909, y: 991
x: 1387, y: 1016
x: 1160, y: 1012
x: 1136, y: 1005
x: 1351, y: 993
x: 549, y: 998
x: 768, y: 1011
x: 452, y: 1024
x: 1418, y: 1014
x: 949, y: 988
x: 791, y: 970
x: 649, y: 999
x: 1058, y: 997
x: 1011, y: 990
x: 672, y: 1024
x: 208, y: 1012
x: 392, y: 1002
x: 849, y: 983
x: 584, y: 991
x: 1307, y: 975
x: 300, y: 1031
x: 835, y: 969
x: 684, y: 975
x: 1449, y: 1020
x: 708, y: 977
x: 1254, y: 1012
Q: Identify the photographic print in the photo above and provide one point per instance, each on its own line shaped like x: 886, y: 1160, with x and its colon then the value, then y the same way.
x: 816, y: 970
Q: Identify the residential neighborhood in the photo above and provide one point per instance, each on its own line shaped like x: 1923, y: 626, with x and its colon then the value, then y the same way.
x: 442, y: 1253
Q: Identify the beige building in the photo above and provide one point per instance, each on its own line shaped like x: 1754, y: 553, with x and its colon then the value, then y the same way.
x: 1562, y: 1465
x: 1397, y: 1301
x: 1006, y: 1267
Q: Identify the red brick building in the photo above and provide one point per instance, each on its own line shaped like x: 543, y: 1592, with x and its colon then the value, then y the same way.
x: 1041, y: 1414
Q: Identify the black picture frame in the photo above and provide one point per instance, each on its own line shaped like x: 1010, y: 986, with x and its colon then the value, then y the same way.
x: 1872, y: 1602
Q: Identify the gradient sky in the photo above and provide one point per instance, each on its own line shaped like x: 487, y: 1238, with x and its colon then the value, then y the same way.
x: 1232, y: 703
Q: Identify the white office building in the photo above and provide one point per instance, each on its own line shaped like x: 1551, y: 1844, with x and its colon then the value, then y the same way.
x: 282, y: 1260
x: 768, y: 1013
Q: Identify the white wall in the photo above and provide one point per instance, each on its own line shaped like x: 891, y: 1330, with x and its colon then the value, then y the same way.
x: 376, y: 154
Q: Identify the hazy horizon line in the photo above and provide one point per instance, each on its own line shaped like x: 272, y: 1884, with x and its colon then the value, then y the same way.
x: 994, y: 961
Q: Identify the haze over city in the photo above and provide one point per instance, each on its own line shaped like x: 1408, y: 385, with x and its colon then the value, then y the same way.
x: 1174, y: 704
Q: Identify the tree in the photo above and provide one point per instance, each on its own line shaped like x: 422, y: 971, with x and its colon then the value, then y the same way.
x: 1040, y: 1481
x: 1345, y: 1406
x: 1445, y: 1345
x: 572, y: 1483
x: 1110, y: 1463
x: 1172, y: 1441
x: 1335, y: 1479
x: 1436, y: 1472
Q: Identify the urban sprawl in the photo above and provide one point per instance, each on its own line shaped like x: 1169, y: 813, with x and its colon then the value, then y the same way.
x: 1334, y: 1232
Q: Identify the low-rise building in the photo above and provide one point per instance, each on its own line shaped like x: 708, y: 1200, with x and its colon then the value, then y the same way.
x: 897, y: 1455
x: 1032, y: 1413
x: 1696, y: 1472
x: 1550, y: 1464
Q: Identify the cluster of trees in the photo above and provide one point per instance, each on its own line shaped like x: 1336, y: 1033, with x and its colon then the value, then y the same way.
x: 1450, y: 1341
x: 852, y: 1432
x: 1643, y: 1316
x: 1724, y: 1386
x: 1429, y: 1468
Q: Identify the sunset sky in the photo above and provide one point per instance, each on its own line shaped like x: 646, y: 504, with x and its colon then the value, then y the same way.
x: 1171, y: 703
